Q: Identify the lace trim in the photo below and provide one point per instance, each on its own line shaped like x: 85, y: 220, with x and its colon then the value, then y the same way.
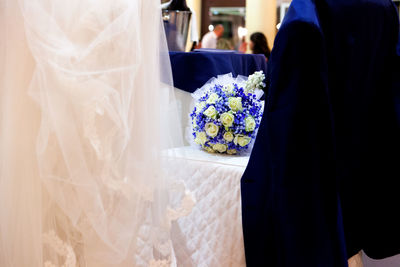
x: 165, y: 249
x: 160, y: 263
x: 61, y: 248
x: 186, y: 206
x: 91, y: 111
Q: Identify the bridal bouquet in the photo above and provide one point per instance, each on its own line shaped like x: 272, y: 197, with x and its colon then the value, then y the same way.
x: 227, y: 113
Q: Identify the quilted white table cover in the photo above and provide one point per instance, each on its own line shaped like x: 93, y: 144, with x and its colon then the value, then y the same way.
x: 212, y: 233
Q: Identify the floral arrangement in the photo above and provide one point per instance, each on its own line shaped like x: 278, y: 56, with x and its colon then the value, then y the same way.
x: 227, y: 113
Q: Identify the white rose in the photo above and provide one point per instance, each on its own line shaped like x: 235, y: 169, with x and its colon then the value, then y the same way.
x: 201, y: 138
x: 212, y: 99
x: 250, y: 124
x: 231, y: 151
x: 200, y: 106
x: 228, y: 136
x: 227, y: 119
x: 221, y: 148
x: 235, y: 103
x: 242, y: 140
x: 211, y: 129
x: 211, y: 112
x: 228, y: 89
x: 209, y: 149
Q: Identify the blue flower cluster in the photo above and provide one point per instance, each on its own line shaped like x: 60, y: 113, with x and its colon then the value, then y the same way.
x: 226, y: 118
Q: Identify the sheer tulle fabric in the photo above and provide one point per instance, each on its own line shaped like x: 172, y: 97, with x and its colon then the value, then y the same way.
x: 84, y: 119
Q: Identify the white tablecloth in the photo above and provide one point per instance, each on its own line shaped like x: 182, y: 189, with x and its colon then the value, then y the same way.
x: 212, y: 233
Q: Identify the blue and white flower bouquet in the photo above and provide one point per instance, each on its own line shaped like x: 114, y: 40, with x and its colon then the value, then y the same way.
x: 227, y: 113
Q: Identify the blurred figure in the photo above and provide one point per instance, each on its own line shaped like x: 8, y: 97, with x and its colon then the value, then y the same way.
x: 210, y: 39
x: 259, y: 44
x: 224, y: 44
x: 242, y: 45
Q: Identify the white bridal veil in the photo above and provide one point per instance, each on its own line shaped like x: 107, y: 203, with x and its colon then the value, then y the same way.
x: 86, y: 109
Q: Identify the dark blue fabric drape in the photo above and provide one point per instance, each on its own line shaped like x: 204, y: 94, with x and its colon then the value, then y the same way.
x: 323, y: 179
x: 192, y: 70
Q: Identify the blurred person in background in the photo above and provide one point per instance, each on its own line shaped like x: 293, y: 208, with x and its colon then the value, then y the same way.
x: 224, y: 44
x: 258, y: 45
x: 210, y: 39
